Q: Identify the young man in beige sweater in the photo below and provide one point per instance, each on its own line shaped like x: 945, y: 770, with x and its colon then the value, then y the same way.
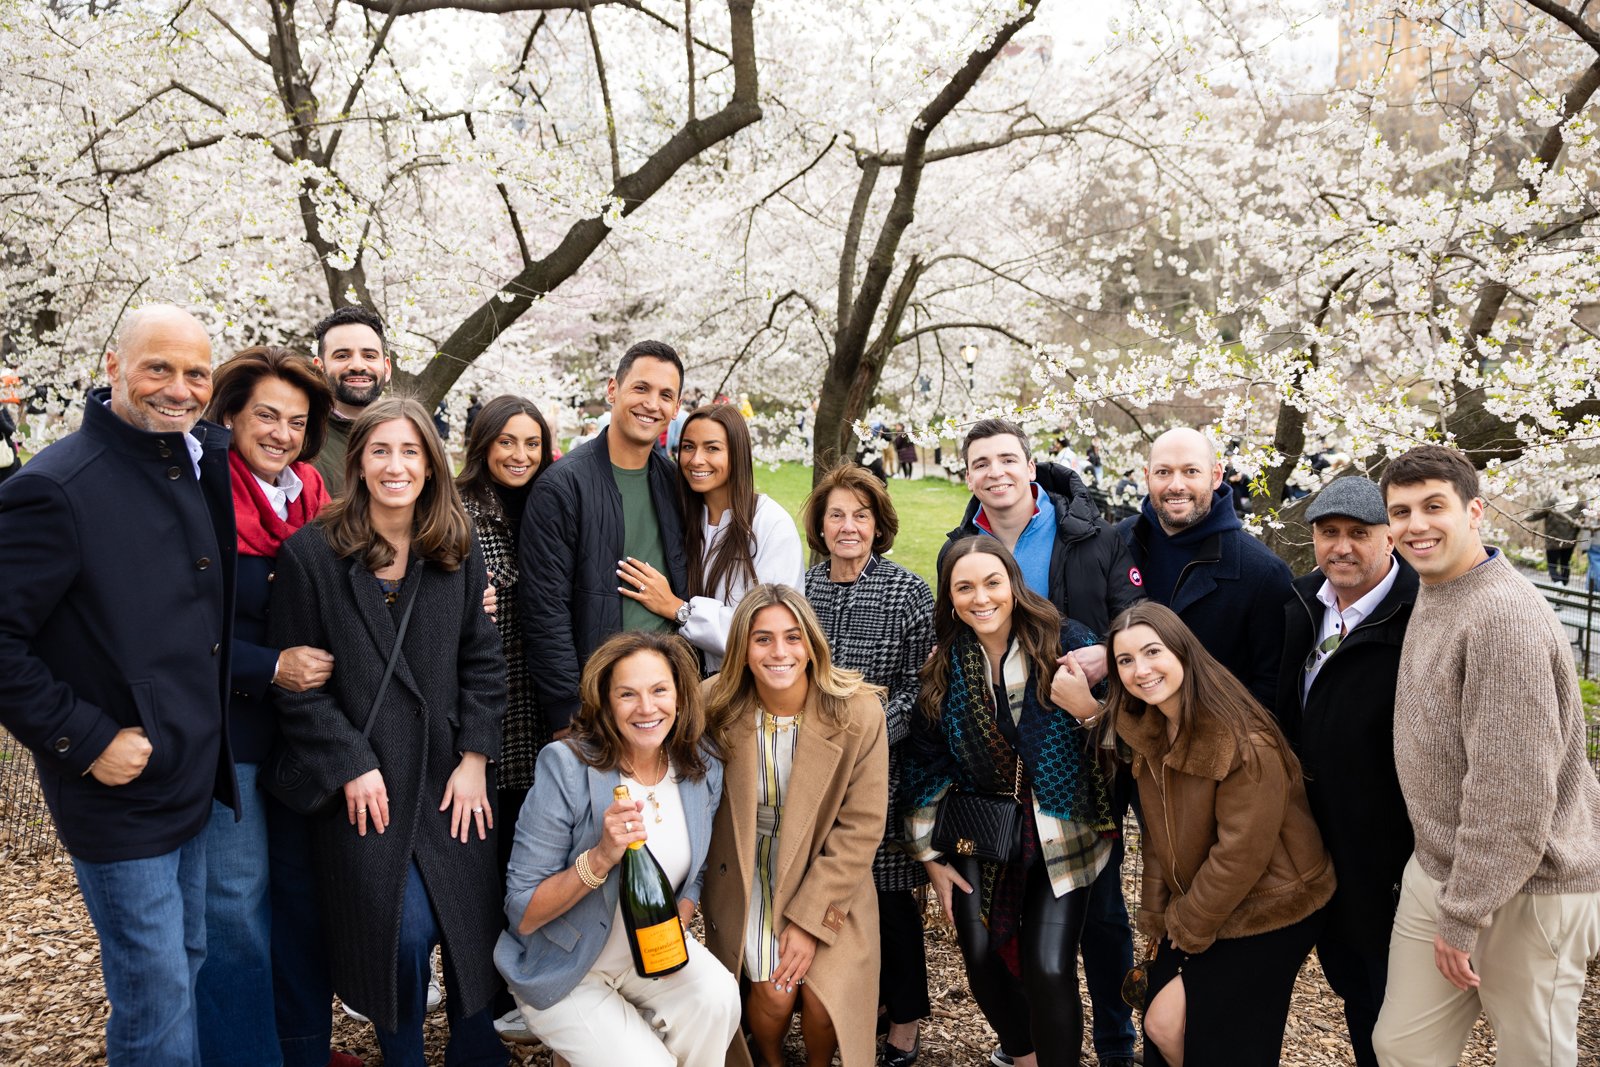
x: 1500, y: 904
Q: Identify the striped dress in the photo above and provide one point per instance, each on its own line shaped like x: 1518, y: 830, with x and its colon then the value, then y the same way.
x: 776, y: 738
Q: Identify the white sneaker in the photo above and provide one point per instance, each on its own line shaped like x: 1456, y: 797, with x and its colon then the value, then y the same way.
x: 514, y: 1028
x: 435, y: 1002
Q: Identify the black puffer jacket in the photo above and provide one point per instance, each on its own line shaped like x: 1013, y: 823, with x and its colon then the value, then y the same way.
x: 571, y: 540
x: 1092, y: 574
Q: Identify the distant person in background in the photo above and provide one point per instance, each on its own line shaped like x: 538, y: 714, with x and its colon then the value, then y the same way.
x: 1561, y: 515
x: 507, y: 451
x: 10, y: 451
x: 733, y: 537
x: 905, y: 450
x: 350, y: 352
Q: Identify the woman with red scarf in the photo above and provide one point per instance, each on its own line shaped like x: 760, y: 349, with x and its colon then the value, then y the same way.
x: 265, y: 975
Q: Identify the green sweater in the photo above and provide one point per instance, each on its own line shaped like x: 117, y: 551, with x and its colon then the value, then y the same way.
x: 330, y: 460
x: 1489, y: 746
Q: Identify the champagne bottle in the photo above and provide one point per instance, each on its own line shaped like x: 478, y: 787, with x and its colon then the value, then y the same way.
x: 649, y: 911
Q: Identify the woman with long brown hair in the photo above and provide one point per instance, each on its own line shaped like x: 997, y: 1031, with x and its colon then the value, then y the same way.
x: 990, y: 733
x: 388, y: 581
x: 789, y: 899
x: 566, y: 957
x: 733, y: 536
x: 1235, y: 874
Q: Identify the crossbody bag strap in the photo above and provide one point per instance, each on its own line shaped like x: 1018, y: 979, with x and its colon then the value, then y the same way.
x: 394, y: 657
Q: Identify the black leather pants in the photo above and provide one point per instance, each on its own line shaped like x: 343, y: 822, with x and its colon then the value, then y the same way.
x: 1041, y: 1011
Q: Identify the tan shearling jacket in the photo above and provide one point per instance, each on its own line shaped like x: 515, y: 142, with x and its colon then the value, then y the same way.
x: 1230, y: 848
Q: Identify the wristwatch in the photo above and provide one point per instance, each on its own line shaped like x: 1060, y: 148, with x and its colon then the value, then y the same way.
x: 685, y: 609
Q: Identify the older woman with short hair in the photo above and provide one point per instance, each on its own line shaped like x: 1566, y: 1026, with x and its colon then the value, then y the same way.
x: 566, y: 957
x: 878, y: 618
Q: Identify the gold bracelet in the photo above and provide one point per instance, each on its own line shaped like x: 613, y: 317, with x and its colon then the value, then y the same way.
x: 586, y: 873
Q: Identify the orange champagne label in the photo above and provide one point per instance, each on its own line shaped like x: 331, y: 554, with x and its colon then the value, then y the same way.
x: 661, y: 946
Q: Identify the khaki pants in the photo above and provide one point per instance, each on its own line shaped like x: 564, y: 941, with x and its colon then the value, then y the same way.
x: 1530, y: 960
x: 694, y: 1014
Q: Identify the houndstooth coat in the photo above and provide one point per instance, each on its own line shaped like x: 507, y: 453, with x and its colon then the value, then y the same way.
x: 881, y: 625
x: 523, y: 730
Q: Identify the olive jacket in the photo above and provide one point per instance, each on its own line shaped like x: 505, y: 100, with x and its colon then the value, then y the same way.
x: 1230, y: 847
x: 833, y: 819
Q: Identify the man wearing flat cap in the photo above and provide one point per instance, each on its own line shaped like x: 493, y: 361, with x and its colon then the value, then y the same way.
x: 1343, y: 628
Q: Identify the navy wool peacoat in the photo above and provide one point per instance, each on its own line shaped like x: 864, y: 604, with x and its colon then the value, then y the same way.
x: 446, y: 698
x: 116, y: 610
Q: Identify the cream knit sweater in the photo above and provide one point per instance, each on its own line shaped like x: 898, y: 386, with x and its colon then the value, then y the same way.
x: 1489, y: 746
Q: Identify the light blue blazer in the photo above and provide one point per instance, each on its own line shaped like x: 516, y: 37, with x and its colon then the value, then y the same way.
x: 560, y: 818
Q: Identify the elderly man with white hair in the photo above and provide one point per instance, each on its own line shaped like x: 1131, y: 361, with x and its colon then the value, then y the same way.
x: 117, y: 553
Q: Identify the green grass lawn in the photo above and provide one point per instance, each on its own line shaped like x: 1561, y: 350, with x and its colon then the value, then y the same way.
x: 928, y: 508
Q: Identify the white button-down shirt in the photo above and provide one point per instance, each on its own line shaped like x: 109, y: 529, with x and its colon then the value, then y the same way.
x: 1335, y: 621
x: 286, y: 492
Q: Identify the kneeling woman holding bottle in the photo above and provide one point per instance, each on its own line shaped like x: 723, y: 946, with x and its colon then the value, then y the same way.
x: 596, y: 956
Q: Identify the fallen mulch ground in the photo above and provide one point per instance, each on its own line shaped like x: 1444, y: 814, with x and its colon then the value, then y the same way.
x: 52, y: 1006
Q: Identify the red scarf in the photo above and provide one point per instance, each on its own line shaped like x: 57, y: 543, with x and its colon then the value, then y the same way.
x: 261, y: 532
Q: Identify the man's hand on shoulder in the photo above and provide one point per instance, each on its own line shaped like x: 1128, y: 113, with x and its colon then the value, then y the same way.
x: 124, y: 759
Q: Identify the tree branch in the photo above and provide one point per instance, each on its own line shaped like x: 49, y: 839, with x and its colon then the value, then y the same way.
x: 1571, y: 20
x: 688, y: 51
x: 113, y: 173
x: 361, y: 78
x: 237, y: 36
x: 492, y: 317
x: 605, y: 94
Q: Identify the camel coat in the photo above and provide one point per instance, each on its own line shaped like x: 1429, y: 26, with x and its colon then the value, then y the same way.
x: 831, y: 825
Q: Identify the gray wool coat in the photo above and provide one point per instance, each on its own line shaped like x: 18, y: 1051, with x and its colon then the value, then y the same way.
x: 446, y: 698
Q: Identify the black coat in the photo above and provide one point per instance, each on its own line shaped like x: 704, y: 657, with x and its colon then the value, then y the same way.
x: 1343, y: 732
x: 116, y: 610
x: 1231, y: 595
x: 571, y: 540
x: 1091, y: 572
x: 446, y: 697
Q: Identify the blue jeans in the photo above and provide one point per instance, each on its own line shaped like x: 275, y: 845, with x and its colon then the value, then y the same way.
x: 302, y: 985
x: 150, y: 916
x: 1107, y: 945
x: 473, y: 1041
x: 234, y: 991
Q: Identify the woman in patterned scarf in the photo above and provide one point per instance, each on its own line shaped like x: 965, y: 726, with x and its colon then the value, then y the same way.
x: 508, y: 447
x: 988, y: 724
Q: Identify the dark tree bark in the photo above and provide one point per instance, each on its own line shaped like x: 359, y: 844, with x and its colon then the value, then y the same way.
x: 856, y: 363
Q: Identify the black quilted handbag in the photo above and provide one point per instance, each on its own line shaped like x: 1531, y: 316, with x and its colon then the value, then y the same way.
x: 984, y: 826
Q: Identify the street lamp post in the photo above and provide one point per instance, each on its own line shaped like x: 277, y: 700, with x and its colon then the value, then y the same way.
x: 969, y: 354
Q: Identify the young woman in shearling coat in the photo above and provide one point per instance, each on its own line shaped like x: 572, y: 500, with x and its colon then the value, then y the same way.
x: 1235, y: 874
x: 789, y: 902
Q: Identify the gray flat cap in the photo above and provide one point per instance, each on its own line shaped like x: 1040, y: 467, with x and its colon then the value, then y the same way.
x: 1354, y: 498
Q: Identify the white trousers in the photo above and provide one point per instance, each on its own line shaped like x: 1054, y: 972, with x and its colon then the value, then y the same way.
x: 692, y: 1016
x: 1530, y: 962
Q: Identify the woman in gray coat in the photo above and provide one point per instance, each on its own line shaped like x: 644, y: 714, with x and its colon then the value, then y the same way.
x: 405, y: 854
